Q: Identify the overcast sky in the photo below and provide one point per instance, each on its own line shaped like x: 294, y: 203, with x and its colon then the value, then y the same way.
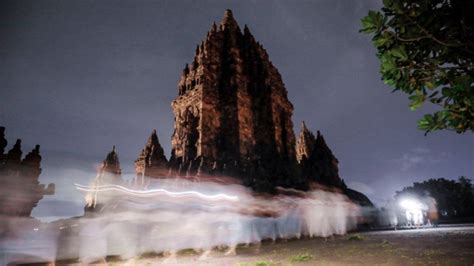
x: 80, y: 76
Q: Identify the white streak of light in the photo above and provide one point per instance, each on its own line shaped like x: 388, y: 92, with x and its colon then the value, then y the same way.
x: 152, y: 192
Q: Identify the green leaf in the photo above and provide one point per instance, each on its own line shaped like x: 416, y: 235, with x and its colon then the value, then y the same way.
x: 399, y: 52
x: 368, y: 25
x: 373, y: 22
x: 378, y: 19
x: 416, y: 101
x: 430, y: 85
x: 381, y: 41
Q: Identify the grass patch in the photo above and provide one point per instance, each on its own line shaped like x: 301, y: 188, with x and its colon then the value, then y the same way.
x: 386, y: 244
x: 356, y: 237
x: 150, y: 254
x: 301, y: 257
x: 265, y: 263
x: 432, y: 252
x: 187, y: 252
x: 260, y: 263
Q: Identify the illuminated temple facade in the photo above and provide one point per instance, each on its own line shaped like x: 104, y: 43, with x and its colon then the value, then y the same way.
x: 232, y: 114
x: 233, y: 118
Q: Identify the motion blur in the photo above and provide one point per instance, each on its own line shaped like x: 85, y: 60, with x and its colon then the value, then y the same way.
x: 173, y: 214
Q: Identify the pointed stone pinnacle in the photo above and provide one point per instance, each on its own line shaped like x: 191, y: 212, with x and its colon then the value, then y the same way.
x: 303, y: 126
x: 14, y: 154
x: 3, y: 141
x: 111, y: 164
x: 228, y: 14
x: 228, y: 21
x: 186, y: 69
x: 33, y: 158
x: 152, y: 161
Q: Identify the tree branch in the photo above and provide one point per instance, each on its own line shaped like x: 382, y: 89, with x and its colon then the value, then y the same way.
x: 411, y: 39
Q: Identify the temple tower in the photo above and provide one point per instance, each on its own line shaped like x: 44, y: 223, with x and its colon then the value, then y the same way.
x: 152, y: 162
x: 20, y: 189
x: 316, y: 160
x: 232, y: 114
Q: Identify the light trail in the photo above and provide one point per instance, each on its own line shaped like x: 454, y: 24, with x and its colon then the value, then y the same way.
x: 152, y: 192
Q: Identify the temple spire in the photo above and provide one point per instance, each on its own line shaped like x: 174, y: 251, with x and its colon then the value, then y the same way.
x: 305, y: 143
x: 20, y: 189
x: 111, y: 164
x: 152, y: 161
x: 303, y: 126
x: 228, y: 21
x: 3, y: 141
x: 33, y: 159
x: 217, y: 120
x: 14, y: 154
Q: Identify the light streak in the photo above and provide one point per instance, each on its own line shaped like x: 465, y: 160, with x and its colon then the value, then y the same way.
x: 153, y: 192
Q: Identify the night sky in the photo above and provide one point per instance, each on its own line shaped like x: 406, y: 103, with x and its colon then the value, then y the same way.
x: 80, y: 76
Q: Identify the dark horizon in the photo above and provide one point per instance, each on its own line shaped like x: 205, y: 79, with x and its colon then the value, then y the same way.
x: 80, y: 77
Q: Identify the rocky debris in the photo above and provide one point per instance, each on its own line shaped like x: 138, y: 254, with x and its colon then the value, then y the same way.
x: 20, y: 190
x: 232, y: 114
x: 152, y: 162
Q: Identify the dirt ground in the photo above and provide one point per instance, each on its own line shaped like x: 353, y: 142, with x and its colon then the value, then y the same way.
x: 432, y: 246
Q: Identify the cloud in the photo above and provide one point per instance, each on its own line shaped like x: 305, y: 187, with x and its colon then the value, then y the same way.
x: 418, y: 156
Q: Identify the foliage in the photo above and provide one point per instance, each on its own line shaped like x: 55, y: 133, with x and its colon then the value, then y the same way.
x: 301, y: 257
x: 456, y: 198
x: 426, y: 49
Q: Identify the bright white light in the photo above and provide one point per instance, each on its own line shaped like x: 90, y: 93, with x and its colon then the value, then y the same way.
x: 410, y: 204
x: 413, y: 211
x: 152, y: 192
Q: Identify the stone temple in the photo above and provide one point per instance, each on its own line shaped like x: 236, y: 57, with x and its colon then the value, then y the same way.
x: 232, y: 114
x: 20, y: 189
x: 233, y: 118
